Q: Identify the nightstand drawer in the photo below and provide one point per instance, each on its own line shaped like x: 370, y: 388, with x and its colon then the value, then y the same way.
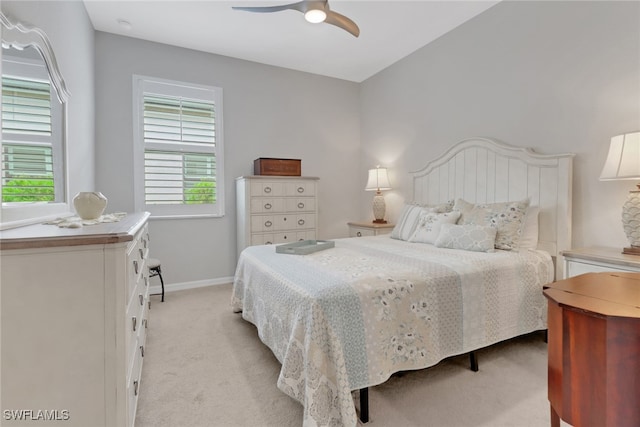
x: 598, y: 260
x: 361, y: 232
x: 362, y: 229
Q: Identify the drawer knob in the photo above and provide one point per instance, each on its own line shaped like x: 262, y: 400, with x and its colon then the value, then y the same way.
x: 267, y: 189
x: 268, y: 224
x: 141, y: 253
x: 300, y: 189
x: 141, y: 299
x: 267, y: 206
x: 359, y: 234
x: 301, y: 222
x: 135, y: 266
x: 285, y: 237
x: 301, y: 205
x: 135, y: 388
x: 142, y: 351
x: 149, y: 304
x: 134, y: 322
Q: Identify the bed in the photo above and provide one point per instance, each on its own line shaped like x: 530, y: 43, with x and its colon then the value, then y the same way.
x: 347, y: 318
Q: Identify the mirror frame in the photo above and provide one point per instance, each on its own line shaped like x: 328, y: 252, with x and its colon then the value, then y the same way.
x: 19, y: 36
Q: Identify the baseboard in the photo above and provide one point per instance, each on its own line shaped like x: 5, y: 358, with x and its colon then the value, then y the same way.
x: 173, y: 287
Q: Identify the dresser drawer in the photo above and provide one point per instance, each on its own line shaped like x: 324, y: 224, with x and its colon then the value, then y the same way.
x: 133, y: 387
x: 301, y: 204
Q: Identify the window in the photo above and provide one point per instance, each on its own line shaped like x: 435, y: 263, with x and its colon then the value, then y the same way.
x: 32, y: 145
x: 178, y: 148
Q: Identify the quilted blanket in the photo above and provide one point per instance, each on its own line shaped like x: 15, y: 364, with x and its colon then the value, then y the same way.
x: 346, y: 318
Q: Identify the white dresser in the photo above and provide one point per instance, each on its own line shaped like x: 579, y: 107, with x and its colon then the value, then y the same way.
x: 273, y: 209
x: 75, y: 304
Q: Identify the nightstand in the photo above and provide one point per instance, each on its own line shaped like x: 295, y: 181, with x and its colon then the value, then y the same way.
x: 598, y: 259
x: 360, y: 229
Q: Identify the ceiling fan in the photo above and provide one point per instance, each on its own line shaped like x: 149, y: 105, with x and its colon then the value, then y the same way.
x: 315, y: 11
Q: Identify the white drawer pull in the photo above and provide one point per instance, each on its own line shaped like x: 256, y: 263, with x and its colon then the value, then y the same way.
x: 135, y: 266
x: 268, y: 224
x: 146, y: 281
x: 134, y: 321
x: 141, y: 253
x: 301, y: 205
x: 267, y: 189
x: 267, y: 206
x: 149, y: 304
x: 141, y: 299
x: 142, y: 351
x: 300, y: 189
x: 301, y: 222
x: 135, y: 388
x: 145, y: 322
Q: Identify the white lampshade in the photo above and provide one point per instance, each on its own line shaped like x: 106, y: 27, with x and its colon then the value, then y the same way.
x: 623, y: 161
x: 378, y: 180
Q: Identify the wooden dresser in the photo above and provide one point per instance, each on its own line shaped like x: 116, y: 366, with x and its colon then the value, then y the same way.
x: 594, y: 350
x: 273, y: 209
x: 75, y: 305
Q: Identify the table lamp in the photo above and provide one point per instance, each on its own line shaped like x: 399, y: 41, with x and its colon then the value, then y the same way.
x: 623, y: 162
x: 378, y: 181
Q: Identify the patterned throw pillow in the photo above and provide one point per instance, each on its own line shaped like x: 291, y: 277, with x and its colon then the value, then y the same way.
x: 507, y: 218
x: 408, y: 221
x: 429, y: 224
x: 476, y: 238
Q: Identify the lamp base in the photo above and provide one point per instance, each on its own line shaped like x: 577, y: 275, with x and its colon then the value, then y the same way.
x: 379, y: 221
x: 633, y: 250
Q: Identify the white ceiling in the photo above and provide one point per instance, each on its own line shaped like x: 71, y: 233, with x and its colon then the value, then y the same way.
x: 389, y: 30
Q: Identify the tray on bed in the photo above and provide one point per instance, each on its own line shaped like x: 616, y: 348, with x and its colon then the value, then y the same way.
x: 305, y: 247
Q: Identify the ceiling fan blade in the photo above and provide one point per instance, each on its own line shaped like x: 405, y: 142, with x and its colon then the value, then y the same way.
x: 299, y: 6
x: 343, y: 22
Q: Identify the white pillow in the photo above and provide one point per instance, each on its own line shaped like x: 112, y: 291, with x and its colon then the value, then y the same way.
x: 506, y: 217
x: 429, y: 224
x: 529, y: 235
x: 407, y: 222
x: 468, y: 237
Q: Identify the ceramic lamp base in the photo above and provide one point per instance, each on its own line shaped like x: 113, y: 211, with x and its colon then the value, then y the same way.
x: 631, y: 222
x: 379, y: 208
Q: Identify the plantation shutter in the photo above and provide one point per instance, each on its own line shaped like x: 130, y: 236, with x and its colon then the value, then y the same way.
x: 180, y: 150
x: 27, y: 148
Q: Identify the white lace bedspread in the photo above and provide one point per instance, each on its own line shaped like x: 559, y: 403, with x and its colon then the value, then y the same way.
x: 347, y: 318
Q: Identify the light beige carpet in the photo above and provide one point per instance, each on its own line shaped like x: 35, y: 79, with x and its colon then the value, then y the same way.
x: 205, y: 366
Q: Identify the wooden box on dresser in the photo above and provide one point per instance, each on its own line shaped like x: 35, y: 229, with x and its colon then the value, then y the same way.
x: 75, y: 305
x: 273, y: 209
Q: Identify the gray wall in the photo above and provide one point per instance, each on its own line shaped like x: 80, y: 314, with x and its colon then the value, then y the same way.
x: 72, y: 37
x: 554, y: 76
x: 268, y: 112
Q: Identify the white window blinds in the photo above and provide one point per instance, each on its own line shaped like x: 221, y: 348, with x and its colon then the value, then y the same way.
x: 27, y: 148
x: 182, y: 142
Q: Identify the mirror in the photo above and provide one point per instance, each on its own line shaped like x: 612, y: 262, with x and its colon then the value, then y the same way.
x: 34, y: 102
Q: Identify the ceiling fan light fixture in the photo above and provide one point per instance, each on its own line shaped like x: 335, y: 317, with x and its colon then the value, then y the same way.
x: 315, y: 16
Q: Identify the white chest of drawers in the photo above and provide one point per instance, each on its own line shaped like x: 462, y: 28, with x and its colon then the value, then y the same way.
x: 75, y: 305
x: 272, y: 209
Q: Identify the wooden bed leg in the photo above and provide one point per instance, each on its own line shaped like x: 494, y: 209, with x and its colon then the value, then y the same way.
x: 364, y: 405
x: 473, y: 361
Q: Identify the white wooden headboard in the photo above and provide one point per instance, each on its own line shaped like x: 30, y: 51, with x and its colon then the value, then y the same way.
x: 481, y: 170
